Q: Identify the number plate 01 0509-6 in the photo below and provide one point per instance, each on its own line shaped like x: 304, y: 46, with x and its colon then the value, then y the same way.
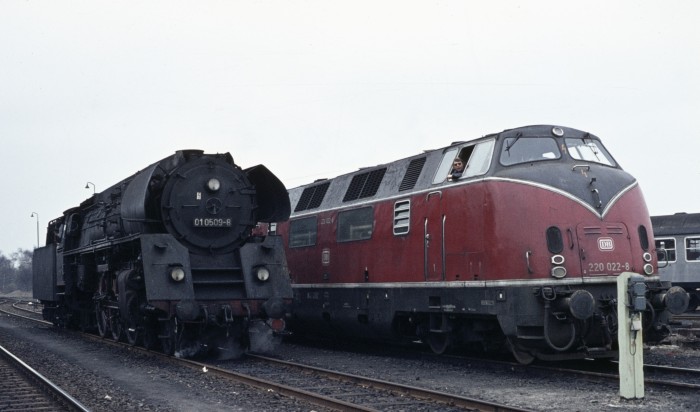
x: 211, y: 222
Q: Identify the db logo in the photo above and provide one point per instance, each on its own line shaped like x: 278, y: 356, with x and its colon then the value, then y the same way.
x: 606, y: 243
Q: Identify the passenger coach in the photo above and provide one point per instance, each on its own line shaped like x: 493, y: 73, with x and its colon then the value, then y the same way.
x: 677, y: 240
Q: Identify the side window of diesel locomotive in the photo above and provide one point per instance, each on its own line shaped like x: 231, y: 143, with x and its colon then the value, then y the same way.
x: 479, y: 160
x: 692, y: 249
x: 476, y: 160
x: 665, y: 249
x: 356, y: 224
x: 528, y: 149
x: 302, y: 232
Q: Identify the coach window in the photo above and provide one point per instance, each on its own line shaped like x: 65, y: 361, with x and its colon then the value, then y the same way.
x: 302, y: 232
x: 667, y: 244
x: 692, y: 249
x: 356, y: 224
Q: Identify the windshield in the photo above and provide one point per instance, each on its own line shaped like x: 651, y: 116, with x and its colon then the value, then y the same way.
x: 589, y: 150
x: 528, y: 149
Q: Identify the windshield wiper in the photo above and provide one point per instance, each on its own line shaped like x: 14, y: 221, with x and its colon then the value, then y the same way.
x: 512, y: 143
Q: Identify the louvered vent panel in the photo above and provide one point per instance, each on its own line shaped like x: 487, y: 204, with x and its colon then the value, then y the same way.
x: 318, y: 196
x: 412, y: 173
x: 312, y: 197
x: 304, y: 200
x: 364, y: 185
x: 373, y: 181
x: 356, y: 184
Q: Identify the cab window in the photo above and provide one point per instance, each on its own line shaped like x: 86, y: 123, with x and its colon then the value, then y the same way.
x: 519, y: 149
x: 475, y: 158
x: 589, y: 150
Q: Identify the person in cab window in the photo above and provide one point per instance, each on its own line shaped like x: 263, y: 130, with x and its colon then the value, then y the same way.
x: 457, y: 170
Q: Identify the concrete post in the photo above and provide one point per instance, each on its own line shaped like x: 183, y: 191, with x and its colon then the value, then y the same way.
x: 629, y: 338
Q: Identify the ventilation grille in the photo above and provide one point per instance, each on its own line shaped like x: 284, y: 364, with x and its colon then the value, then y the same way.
x: 364, y: 185
x: 312, y: 197
x: 412, y: 174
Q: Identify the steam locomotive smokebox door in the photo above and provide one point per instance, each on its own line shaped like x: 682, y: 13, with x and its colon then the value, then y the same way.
x: 269, y: 255
x: 161, y: 255
x: 44, y: 272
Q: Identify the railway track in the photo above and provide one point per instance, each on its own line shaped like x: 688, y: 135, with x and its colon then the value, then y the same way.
x: 350, y: 392
x: 327, y: 388
x: 342, y: 390
x: 24, y: 389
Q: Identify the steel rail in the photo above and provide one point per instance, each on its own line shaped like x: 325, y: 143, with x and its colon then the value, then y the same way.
x: 48, y: 387
x: 421, y: 393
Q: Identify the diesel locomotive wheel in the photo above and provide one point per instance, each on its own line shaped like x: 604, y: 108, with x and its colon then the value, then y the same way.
x: 102, y: 320
x: 439, y: 342
x: 523, y: 357
x: 132, y: 320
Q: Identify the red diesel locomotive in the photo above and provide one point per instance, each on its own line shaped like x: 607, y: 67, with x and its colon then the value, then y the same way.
x: 519, y: 250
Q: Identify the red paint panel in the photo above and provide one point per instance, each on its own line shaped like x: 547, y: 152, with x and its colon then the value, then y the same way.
x: 491, y: 230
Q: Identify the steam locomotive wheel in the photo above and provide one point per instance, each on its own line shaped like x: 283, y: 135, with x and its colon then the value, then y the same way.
x: 116, y: 326
x: 168, y: 336
x: 150, y: 335
x: 523, y: 357
x: 132, y: 319
x: 102, y: 320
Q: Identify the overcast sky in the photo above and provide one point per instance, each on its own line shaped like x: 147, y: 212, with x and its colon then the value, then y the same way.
x: 97, y: 90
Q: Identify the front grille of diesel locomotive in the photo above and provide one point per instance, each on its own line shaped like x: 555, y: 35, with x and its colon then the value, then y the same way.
x: 218, y: 283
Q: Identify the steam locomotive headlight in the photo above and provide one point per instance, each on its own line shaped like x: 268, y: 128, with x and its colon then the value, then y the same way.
x: 648, y: 269
x: 262, y: 273
x: 647, y: 257
x: 214, y: 185
x: 177, y: 273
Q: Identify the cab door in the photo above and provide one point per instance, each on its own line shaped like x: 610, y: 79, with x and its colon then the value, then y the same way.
x: 434, y: 238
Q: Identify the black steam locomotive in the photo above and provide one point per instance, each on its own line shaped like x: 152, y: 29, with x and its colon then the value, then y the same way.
x: 170, y: 256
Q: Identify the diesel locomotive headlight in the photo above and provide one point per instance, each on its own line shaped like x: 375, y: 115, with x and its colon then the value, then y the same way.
x: 647, y: 257
x: 648, y: 269
x: 558, y: 260
x: 558, y: 272
x: 214, y: 185
x: 262, y: 273
x: 177, y: 274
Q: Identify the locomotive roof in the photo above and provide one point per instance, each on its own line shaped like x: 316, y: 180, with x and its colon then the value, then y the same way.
x: 402, y: 177
x: 676, y: 224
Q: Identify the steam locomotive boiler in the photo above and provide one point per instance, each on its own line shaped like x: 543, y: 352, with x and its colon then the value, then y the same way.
x: 168, y: 257
x: 513, y: 240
